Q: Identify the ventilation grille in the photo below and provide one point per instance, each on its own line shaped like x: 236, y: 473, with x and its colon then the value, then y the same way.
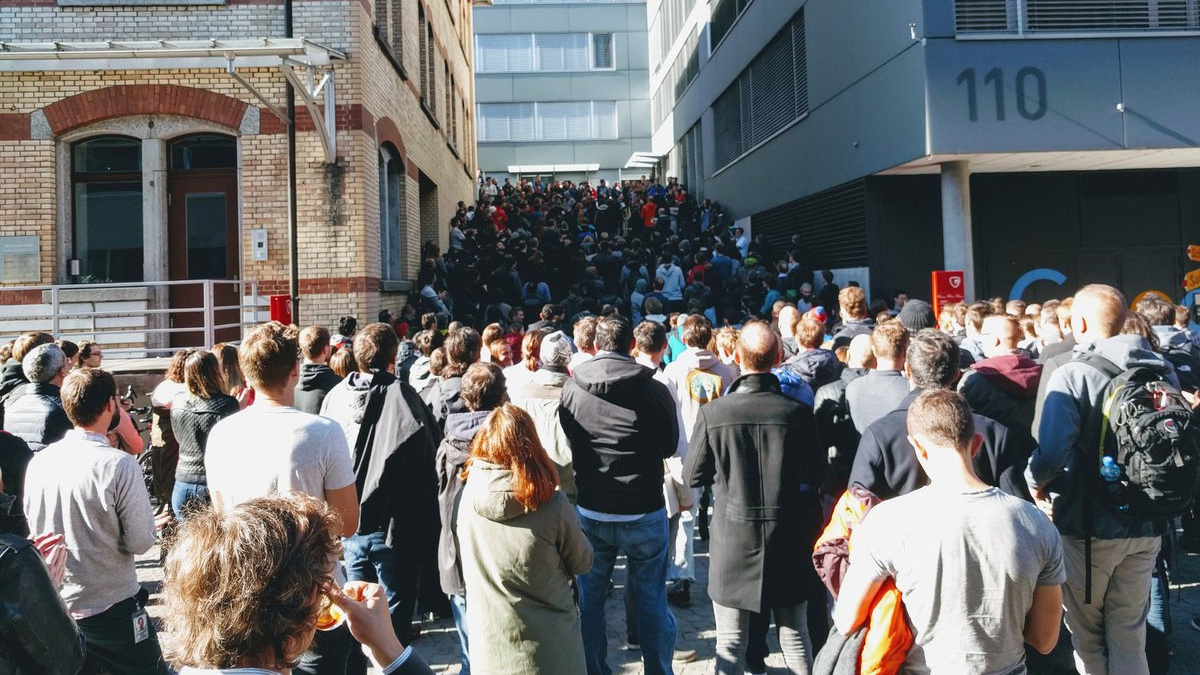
x: 832, y: 226
x: 1076, y: 16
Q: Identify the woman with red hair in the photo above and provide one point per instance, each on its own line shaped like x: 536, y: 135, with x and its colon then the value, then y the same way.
x: 521, y: 546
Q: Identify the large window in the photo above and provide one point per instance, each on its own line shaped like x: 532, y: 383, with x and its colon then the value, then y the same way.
x: 559, y: 121
x: 107, y: 176
x: 543, y: 52
x: 391, y: 200
x: 768, y: 96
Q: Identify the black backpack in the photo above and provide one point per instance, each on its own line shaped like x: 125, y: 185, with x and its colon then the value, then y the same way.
x: 1153, y: 436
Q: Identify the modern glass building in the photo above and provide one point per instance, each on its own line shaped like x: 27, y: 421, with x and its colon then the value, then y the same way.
x: 562, y: 88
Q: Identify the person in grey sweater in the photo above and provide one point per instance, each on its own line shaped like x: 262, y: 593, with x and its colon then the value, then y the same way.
x: 880, y: 391
x: 93, y: 495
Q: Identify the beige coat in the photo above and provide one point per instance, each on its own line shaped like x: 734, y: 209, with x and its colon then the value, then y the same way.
x: 518, y: 566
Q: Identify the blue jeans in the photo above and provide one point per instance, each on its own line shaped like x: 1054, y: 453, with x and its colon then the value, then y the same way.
x: 458, y: 607
x: 186, y: 497
x: 369, y: 558
x: 647, y: 549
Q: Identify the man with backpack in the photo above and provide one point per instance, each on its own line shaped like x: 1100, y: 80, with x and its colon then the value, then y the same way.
x: 1173, y: 343
x: 1109, y: 552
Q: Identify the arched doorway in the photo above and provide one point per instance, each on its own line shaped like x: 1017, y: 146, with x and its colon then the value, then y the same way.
x: 202, y: 231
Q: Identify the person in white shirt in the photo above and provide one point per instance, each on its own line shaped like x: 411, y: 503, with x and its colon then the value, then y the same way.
x: 93, y: 494
x: 273, y: 448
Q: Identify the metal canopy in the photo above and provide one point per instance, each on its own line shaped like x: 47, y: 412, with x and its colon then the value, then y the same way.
x: 642, y: 160
x: 306, y: 64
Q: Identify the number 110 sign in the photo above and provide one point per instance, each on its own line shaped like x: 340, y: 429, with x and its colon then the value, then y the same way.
x: 1029, y: 84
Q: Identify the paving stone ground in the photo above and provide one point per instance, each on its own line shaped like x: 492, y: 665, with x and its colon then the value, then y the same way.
x: 438, y: 643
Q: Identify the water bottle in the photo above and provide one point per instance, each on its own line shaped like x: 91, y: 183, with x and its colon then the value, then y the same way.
x: 1111, y: 473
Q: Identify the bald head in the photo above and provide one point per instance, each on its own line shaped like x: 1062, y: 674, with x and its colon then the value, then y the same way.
x: 758, y: 348
x: 789, y: 316
x: 860, y: 354
x: 1098, y: 313
x: 1000, y: 335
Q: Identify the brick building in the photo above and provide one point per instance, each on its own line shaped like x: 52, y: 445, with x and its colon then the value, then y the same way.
x: 140, y: 141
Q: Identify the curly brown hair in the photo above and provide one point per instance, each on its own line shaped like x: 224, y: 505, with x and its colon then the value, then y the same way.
x: 243, y: 584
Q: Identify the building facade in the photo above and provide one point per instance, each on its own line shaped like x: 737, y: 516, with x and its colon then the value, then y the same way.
x: 1036, y: 145
x: 562, y: 88
x: 147, y: 142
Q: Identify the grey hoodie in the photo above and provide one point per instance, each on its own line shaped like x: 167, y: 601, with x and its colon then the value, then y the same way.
x: 452, y: 455
x: 1072, y: 416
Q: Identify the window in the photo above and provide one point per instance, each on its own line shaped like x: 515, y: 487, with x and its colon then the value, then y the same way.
x: 725, y: 13
x: 543, y: 52
x: 684, y: 71
x: 666, y: 27
x: 391, y: 200
x: 602, y: 51
x: 389, y: 27
x: 428, y: 63
x: 768, y: 96
x: 107, y: 177
x: 559, y: 121
x: 1020, y: 17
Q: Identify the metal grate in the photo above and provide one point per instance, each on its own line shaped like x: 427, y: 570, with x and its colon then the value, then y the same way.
x: 770, y: 94
x: 832, y: 225
x: 1022, y: 17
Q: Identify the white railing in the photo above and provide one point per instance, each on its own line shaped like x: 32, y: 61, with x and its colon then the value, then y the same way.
x: 135, y: 319
x: 1038, y: 18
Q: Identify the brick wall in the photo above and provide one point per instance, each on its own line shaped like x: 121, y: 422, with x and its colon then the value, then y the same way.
x: 338, y: 204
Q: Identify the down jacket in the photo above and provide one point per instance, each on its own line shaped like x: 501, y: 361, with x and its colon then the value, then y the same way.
x: 34, y: 413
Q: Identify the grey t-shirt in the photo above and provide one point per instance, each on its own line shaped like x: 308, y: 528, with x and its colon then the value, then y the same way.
x: 264, y: 450
x: 967, y: 566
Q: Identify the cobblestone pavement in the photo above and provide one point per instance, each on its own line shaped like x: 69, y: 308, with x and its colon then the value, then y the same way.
x: 438, y: 643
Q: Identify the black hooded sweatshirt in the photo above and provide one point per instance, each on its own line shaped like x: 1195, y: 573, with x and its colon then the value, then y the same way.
x: 620, y: 422
x: 316, y: 379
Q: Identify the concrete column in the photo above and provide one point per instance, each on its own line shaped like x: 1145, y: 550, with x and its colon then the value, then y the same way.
x: 958, y: 247
x: 155, y: 251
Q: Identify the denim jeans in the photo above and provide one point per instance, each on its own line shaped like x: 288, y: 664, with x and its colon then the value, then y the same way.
x: 1158, y: 621
x: 733, y: 627
x: 458, y: 607
x: 186, y: 497
x: 647, y: 549
x: 369, y: 558
x: 683, y: 557
x: 111, y: 646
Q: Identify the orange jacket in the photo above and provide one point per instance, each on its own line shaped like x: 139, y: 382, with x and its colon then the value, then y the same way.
x: 888, y: 636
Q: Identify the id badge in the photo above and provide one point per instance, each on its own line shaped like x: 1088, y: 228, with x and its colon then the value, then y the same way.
x: 141, y: 626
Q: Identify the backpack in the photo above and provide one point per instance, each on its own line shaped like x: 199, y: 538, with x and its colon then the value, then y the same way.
x: 1154, y: 438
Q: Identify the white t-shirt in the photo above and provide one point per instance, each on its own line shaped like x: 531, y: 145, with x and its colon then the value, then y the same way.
x: 267, y: 449
x: 967, y: 565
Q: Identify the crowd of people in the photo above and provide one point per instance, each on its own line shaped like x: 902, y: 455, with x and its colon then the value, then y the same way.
x: 589, y: 373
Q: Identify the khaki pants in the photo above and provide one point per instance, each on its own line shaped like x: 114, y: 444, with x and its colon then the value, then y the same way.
x: 1109, y: 634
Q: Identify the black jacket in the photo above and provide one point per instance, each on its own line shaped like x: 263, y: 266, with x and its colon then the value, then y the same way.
x: 34, y: 413
x: 836, y: 428
x: 14, y: 459
x: 394, y: 464
x: 37, y: 635
x: 851, y: 329
x: 192, y: 418
x: 760, y: 451
x: 887, y: 465
x: 452, y: 456
x: 620, y: 422
x: 316, y: 379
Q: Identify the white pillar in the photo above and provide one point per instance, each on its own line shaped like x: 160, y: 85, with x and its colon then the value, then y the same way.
x: 957, y: 245
x: 155, y: 241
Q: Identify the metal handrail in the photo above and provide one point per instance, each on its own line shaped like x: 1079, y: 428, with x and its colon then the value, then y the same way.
x: 249, y: 311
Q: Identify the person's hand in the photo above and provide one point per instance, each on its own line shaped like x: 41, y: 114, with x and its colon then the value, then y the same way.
x: 370, y: 622
x: 1044, y: 503
x: 53, y: 548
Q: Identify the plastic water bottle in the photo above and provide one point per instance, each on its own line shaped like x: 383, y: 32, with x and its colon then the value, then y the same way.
x: 1111, y: 473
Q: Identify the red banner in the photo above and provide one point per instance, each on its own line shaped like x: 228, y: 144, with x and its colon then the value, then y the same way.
x: 948, y: 287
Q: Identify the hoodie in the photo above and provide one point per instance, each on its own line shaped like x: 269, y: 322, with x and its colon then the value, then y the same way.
x: 1004, y: 388
x: 1176, y: 346
x: 316, y: 379
x: 615, y: 415
x: 697, y: 377
x: 1069, y: 429
x: 452, y: 455
x: 815, y: 367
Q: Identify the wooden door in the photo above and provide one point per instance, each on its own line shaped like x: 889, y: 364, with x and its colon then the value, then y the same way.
x: 203, y: 244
